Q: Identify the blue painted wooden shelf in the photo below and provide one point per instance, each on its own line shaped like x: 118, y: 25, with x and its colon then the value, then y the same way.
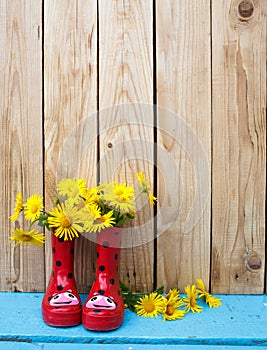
x: 241, y: 321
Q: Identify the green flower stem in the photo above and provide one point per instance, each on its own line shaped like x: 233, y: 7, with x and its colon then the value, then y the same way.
x: 31, y: 224
x: 139, y: 194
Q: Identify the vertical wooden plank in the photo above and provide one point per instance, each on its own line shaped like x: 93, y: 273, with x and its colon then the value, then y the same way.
x: 239, y: 105
x: 21, y: 268
x: 126, y: 129
x: 184, y: 141
x: 70, y: 90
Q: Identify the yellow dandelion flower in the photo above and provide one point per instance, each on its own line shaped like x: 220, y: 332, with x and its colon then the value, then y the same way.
x: 190, y: 300
x: 18, y: 208
x: 106, y: 188
x: 71, y: 188
x: 33, y: 207
x: 211, y: 300
x: 173, y: 294
x: 67, y: 220
x: 201, y: 288
x: 152, y: 199
x: 151, y: 305
x: 91, y: 213
x: 123, y: 192
x: 145, y: 187
x: 103, y: 222
x: 119, y: 197
x: 30, y: 237
x: 121, y: 205
x: 142, y: 181
x: 172, y: 311
x: 91, y: 196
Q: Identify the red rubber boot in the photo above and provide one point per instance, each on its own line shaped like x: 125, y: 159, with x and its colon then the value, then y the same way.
x: 61, y: 306
x: 104, y: 307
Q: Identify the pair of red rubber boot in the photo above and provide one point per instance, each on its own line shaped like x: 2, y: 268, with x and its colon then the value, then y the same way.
x: 104, y: 308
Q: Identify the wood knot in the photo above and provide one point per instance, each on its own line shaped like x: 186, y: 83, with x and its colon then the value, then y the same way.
x: 254, y: 263
x: 244, y: 14
x: 246, y: 9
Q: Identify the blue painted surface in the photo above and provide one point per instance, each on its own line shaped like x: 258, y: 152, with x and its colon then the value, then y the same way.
x: 240, y: 321
x: 19, y: 346
x: 145, y: 347
x: 42, y: 346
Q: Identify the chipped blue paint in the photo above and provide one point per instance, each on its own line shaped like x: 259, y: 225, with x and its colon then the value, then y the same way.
x: 240, y: 321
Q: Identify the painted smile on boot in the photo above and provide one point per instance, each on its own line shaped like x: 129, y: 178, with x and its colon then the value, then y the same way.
x: 66, y: 298
x: 99, y: 301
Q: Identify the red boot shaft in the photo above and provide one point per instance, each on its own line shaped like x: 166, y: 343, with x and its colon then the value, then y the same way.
x: 104, y: 307
x: 61, y: 306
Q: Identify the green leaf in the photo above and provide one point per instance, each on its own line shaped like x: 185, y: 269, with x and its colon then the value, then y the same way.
x: 159, y: 290
x: 130, y: 216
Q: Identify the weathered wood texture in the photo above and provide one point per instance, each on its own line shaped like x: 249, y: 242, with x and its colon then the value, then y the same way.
x: 184, y: 88
x: 70, y: 104
x: 204, y: 66
x: 239, y: 105
x: 20, y: 135
x: 126, y: 131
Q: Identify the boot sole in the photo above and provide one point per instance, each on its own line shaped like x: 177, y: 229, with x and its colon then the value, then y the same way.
x: 101, y: 323
x: 60, y: 319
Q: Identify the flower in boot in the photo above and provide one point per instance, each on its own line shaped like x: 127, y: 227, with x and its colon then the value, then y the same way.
x: 18, y: 208
x: 82, y: 209
x: 67, y: 220
x: 71, y: 188
x: 103, y: 222
x: 190, y: 300
x: 123, y: 192
x: 145, y: 187
x: 151, y: 305
x: 120, y: 197
x: 90, y: 196
x: 172, y: 311
x: 33, y: 207
x: 30, y: 237
x: 91, y: 213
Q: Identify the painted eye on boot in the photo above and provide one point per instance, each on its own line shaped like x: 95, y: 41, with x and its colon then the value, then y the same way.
x: 71, y: 296
x: 56, y: 297
x: 110, y: 301
x: 94, y: 298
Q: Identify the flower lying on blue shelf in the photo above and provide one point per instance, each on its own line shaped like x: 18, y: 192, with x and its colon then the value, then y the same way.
x: 171, y: 306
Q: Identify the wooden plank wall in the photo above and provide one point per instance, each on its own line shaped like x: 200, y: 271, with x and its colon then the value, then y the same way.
x: 21, y: 134
x: 239, y: 107
x: 183, y: 75
x: 78, y: 84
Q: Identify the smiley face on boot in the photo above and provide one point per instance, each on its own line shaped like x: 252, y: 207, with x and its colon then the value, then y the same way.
x: 99, y: 301
x: 61, y: 299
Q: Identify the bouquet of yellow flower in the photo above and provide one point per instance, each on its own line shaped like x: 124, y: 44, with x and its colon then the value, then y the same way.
x: 79, y: 209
